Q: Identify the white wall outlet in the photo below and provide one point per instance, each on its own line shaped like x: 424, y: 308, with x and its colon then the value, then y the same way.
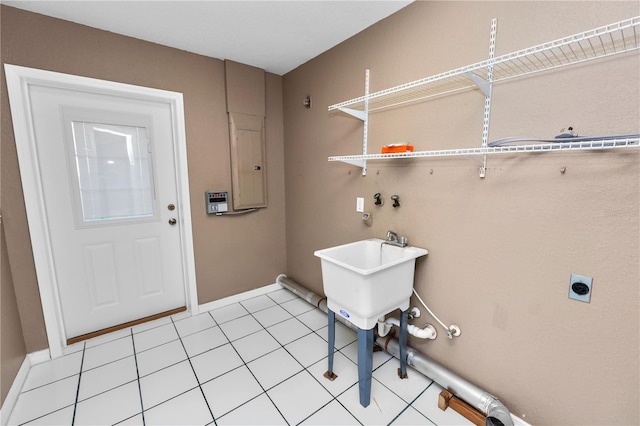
x: 360, y: 205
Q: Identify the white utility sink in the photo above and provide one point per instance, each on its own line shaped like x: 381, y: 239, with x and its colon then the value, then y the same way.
x: 367, y: 279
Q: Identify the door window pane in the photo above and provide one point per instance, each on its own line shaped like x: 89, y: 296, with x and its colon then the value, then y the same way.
x: 114, y: 170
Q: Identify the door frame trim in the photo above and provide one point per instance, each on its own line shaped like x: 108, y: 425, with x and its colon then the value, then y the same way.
x: 19, y: 80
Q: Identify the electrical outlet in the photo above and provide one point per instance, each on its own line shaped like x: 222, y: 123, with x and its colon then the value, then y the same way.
x: 360, y: 205
x: 580, y: 288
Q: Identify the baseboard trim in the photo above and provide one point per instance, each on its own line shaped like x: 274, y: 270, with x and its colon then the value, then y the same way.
x: 18, y: 382
x: 39, y: 357
x: 239, y: 297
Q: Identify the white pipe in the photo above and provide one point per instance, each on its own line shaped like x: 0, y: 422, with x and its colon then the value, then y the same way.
x: 428, y: 332
x: 383, y: 327
x: 496, y: 412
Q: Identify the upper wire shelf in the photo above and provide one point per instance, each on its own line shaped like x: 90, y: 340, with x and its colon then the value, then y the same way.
x: 613, y: 39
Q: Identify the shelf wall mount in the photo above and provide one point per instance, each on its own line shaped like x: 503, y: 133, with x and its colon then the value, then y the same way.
x: 362, y: 115
x: 487, y: 95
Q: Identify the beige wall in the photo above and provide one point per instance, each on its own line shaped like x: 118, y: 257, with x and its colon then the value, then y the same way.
x: 12, y: 348
x: 233, y: 254
x: 501, y: 249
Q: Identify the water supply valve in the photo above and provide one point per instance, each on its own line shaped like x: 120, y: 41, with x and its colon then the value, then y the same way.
x: 367, y: 219
x: 453, y: 331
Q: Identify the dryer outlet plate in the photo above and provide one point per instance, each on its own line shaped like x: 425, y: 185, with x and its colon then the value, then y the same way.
x: 580, y: 288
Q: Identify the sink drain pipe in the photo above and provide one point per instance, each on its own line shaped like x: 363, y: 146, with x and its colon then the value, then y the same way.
x: 496, y: 413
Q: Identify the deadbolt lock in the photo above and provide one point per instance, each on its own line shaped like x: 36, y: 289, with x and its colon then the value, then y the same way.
x: 171, y: 207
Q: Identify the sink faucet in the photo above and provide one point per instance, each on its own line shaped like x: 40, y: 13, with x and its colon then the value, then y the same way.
x: 394, y: 240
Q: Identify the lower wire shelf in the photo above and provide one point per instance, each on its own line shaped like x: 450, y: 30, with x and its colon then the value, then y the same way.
x: 583, y: 145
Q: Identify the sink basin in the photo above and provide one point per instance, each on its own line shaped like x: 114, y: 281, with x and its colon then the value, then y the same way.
x: 367, y: 279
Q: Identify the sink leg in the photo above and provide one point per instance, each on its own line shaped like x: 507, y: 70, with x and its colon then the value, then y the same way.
x: 365, y: 365
x: 404, y: 318
x: 330, y: 348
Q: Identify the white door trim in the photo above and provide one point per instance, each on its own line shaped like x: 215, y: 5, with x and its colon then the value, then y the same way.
x: 18, y: 81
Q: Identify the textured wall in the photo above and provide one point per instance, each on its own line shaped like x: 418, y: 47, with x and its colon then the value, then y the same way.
x: 501, y: 249
x: 233, y: 254
x: 12, y: 348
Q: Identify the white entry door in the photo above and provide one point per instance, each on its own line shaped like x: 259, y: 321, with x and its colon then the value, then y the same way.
x: 109, y: 188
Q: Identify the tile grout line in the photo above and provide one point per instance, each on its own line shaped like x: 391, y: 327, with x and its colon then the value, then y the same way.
x: 307, y: 368
x: 249, y: 313
x: 131, y: 335
x: 58, y: 409
x: 245, y: 364
x: 408, y: 404
x: 380, y: 382
x: 296, y: 359
x: 216, y: 323
x: 75, y: 404
x: 341, y: 393
x: 194, y: 370
x: 333, y: 398
x: 290, y: 354
x: 415, y: 399
x: 264, y: 391
x: 135, y: 359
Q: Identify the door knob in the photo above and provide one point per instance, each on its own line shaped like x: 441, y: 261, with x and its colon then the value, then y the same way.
x: 172, y: 221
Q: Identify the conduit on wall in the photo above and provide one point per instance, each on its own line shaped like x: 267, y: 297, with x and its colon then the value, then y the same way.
x: 496, y: 412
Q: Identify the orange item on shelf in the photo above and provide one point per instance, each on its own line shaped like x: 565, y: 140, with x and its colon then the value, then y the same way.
x: 394, y: 149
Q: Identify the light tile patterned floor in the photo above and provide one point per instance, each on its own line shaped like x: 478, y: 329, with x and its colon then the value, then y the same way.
x: 257, y: 362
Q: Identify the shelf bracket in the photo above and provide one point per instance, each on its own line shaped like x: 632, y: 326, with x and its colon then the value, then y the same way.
x: 482, y: 84
x: 357, y: 163
x: 360, y: 115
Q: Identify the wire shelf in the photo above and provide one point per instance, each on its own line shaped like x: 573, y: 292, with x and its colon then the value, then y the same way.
x: 595, y: 144
x: 613, y: 39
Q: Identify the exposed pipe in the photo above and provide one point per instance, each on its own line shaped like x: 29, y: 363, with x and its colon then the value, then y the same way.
x: 496, y: 412
x: 473, y: 395
x: 383, y: 327
x: 311, y: 297
x: 428, y: 332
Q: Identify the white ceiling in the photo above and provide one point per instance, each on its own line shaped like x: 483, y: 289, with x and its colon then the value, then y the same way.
x: 277, y: 36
